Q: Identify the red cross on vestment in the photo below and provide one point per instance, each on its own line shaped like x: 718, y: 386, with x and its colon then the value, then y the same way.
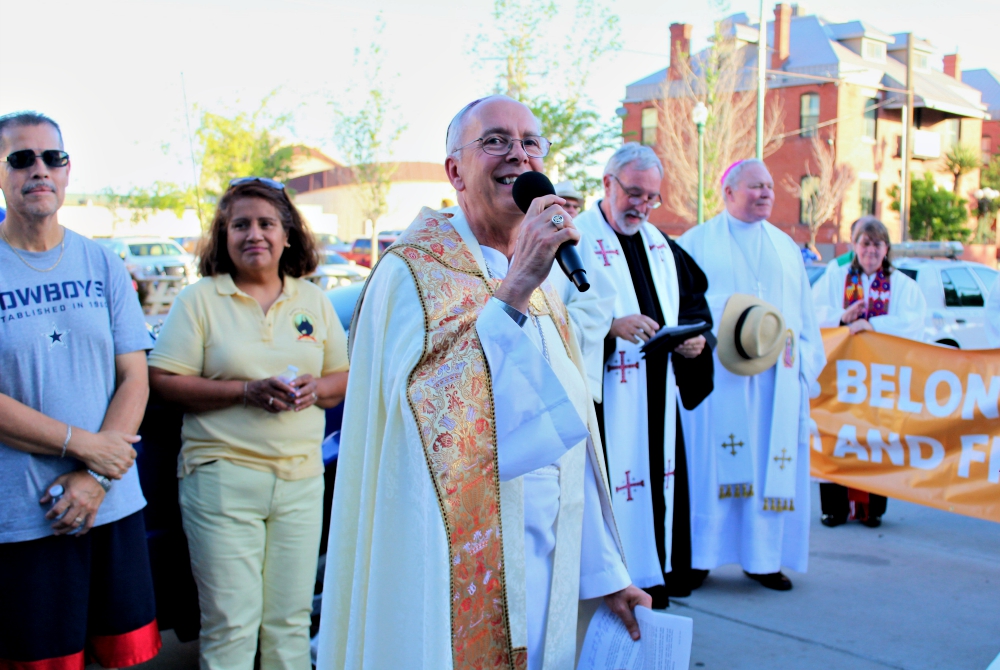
x: 623, y: 366
x: 629, y: 485
x: 658, y: 247
x: 667, y: 475
x: 603, y: 253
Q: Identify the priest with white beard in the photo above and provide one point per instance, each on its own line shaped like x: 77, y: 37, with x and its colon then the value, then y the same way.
x: 472, y: 510
x: 749, y: 449
x: 652, y: 283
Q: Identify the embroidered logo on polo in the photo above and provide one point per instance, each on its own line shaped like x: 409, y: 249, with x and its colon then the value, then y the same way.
x: 304, y: 324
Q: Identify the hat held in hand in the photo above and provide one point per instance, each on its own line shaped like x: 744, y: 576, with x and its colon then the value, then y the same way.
x: 751, y: 335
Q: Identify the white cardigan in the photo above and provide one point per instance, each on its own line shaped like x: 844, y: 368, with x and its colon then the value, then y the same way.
x: 906, y: 303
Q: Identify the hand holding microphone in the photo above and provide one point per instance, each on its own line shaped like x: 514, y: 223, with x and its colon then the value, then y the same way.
x: 532, y: 186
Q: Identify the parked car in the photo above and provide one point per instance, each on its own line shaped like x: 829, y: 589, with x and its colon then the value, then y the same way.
x: 159, y: 266
x: 361, y: 250
x: 956, y: 293
x: 328, y: 242
x: 335, y: 270
x: 152, y: 257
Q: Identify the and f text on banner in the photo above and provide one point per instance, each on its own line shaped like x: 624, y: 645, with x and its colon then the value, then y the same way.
x: 911, y: 421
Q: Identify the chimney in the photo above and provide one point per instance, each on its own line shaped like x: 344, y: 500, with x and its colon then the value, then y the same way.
x: 953, y: 66
x: 680, y: 48
x: 782, y: 28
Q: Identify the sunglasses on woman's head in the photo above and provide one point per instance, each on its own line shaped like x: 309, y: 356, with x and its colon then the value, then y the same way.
x: 239, y: 181
x: 25, y: 158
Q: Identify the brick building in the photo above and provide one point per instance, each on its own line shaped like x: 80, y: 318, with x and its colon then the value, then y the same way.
x: 829, y: 78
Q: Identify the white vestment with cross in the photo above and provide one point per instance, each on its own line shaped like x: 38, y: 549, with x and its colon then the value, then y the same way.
x: 756, y: 259
x: 623, y: 382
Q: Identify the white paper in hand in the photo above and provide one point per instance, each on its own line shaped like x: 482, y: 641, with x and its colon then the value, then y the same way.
x: 665, y: 642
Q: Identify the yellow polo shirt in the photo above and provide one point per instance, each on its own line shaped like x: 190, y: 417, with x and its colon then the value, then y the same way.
x: 215, y: 330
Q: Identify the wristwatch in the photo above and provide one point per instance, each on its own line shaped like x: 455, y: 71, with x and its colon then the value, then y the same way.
x: 101, y: 479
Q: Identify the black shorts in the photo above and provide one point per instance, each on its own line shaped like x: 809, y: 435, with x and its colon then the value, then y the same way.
x: 71, y: 600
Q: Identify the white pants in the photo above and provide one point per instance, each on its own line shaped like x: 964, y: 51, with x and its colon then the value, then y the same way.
x: 254, y: 542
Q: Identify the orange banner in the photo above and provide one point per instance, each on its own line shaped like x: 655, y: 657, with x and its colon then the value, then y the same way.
x: 911, y: 421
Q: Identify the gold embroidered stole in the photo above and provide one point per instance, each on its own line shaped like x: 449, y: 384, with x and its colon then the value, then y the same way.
x: 451, y: 396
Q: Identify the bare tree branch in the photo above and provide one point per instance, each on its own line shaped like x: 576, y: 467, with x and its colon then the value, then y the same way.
x: 824, y: 189
x: 721, y: 80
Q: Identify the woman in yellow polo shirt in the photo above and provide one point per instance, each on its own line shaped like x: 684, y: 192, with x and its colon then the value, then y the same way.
x: 252, y: 352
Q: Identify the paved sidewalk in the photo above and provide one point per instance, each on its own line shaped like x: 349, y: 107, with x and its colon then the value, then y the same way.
x: 922, y: 591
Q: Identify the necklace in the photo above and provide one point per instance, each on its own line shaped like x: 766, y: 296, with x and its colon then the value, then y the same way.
x: 62, y: 250
x: 534, y: 320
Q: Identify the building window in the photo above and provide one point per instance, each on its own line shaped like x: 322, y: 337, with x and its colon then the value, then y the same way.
x: 807, y: 201
x: 950, y: 133
x: 868, y: 190
x: 920, y: 62
x: 873, y: 51
x: 808, y: 113
x: 650, y: 120
x: 871, y: 115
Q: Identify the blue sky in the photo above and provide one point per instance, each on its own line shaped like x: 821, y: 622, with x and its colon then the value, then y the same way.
x: 109, y: 71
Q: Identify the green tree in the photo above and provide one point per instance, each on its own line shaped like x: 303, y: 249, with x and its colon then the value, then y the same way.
x: 990, y: 176
x: 935, y: 213
x: 517, y: 46
x: 962, y: 158
x: 241, y: 145
x: 367, y: 136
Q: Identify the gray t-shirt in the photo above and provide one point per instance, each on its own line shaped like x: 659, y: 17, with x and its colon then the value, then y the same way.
x: 59, y: 334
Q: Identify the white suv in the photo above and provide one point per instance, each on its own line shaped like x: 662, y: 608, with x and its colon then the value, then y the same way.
x: 956, y: 293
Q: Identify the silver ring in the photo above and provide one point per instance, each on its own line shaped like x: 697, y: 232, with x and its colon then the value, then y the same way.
x: 557, y: 220
x: 270, y: 401
x: 315, y: 397
x: 78, y: 521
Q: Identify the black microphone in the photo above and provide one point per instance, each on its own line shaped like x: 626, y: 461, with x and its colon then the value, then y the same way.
x: 531, y: 185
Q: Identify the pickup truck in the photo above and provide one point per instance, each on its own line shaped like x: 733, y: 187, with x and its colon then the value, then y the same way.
x: 361, y: 250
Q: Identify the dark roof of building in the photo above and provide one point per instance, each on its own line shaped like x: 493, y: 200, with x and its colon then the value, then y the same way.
x: 988, y: 82
x: 816, y: 49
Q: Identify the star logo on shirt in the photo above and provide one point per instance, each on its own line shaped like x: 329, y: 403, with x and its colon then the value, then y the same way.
x: 55, y: 336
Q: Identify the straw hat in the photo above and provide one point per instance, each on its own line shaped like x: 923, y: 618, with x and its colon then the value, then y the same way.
x: 565, y: 189
x: 751, y: 335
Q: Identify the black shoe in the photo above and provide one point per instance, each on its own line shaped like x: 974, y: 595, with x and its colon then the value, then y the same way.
x: 873, y: 521
x: 774, y: 580
x: 830, y: 521
x: 698, y: 578
x: 678, y: 583
x: 659, y: 596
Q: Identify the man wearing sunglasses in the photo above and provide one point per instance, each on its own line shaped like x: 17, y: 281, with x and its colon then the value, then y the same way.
x: 73, y: 389
x: 467, y: 439
x: 652, y: 283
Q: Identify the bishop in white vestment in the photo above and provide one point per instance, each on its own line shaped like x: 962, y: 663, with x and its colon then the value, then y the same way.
x: 472, y: 510
x: 748, y: 442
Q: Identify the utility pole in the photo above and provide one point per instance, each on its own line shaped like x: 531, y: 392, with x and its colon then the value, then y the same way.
x: 907, y: 148
x: 761, y: 71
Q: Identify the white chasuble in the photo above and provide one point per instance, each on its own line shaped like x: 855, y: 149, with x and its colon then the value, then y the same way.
x: 907, y: 304
x: 748, y: 442
x: 388, y: 599
x: 626, y: 414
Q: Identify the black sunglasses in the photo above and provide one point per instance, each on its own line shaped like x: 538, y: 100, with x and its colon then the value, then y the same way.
x: 239, y: 181
x: 25, y: 158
